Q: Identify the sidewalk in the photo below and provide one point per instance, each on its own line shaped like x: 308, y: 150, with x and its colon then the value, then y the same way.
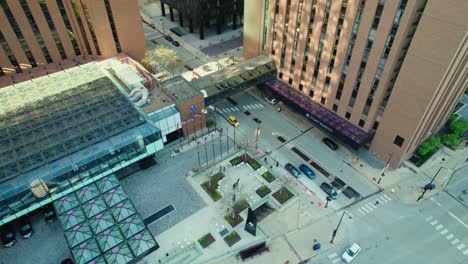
x: 407, y: 182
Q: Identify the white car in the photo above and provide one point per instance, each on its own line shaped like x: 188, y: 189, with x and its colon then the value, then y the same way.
x: 271, y: 100
x: 351, y: 253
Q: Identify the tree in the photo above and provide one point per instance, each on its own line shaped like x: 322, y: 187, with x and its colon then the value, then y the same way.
x: 429, y: 145
x: 162, y: 58
x: 459, y: 126
x: 451, y: 140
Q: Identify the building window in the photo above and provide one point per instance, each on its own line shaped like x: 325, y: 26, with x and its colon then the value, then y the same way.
x: 376, y: 125
x: 335, y: 107
x: 300, y: 87
x: 323, y: 100
x: 51, y: 25
x: 290, y: 81
x: 348, y: 115
x: 398, y: 141
x: 70, y: 32
x: 281, y: 75
x: 311, y: 93
x: 112, y: 24
x: 361, y: 123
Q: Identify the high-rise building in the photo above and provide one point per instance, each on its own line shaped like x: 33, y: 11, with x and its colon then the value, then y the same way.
x: 203, y: 14
x: 40, y: 33
x: 394, y: 69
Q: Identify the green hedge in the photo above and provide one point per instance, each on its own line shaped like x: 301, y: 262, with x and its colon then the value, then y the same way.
x: 451, y: 140
x: 428, y: 145
x: 459, y: 126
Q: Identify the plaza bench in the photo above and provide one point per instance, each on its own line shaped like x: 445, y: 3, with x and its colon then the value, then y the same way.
x: 251, y: 251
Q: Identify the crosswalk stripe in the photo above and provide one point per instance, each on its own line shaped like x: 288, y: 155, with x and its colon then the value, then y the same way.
x: 382, y: 200
x: 372, y: 204
x: 443, y: 232
x: 332, y: 255
x: 429, y: 218
x: 434, y: 222
x: 386, y: 197
x: 368, y: 207
x: 461, y: 246
x: 237, y: 109
x: 244, y: 107
x: 449, y: 236
x: 360, y: 211
x: 455, y: 241
x: 465, y: 252
x: 249, y: 107
x: 365, y: 210
x: 259, y: 105
x: 336, y: 260
x: 439, y: 227
x: 233, y: 109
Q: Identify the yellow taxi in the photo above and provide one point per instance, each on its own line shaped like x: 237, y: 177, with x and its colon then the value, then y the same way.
x: 233, y: 121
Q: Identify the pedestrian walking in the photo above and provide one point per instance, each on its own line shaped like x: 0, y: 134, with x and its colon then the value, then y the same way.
x: 265, y: 160
x: 377, y: 202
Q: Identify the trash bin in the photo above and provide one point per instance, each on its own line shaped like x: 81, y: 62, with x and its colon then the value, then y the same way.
x: 316, y: 246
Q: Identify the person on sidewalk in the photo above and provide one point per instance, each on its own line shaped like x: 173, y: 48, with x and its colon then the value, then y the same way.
x: 377, y: 202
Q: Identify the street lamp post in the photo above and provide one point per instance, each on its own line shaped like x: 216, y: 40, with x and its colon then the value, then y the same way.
x: 428, y: 185
x: 328, y: 200
x: 336, y: 229
x: 385, y: 168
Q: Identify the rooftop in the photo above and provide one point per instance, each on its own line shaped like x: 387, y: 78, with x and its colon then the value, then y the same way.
x: 180, y: 89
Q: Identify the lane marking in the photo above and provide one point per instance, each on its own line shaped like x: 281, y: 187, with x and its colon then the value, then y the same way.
x: 461, y: 246
x: 449, y: 236
x: 455, y: 241
x: 332, y: 255
x: 360, y: 211
x: 429, y: 218
x: 434, y: 222
x: 439, y: 227
x: 443, y: 232
x: 368, y: 207
x: 365, y: 210
x: 372, y: 204
x: 458, y: 219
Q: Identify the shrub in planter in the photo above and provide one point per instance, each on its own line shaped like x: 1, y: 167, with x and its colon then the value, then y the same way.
x: 235, y: 161
x: 263, y: 191
x: 283, y: 195
x: 233, y: 220
x: 241, y: 206
x: 459, y: 126
x: 268, y: 176
x: 206, y: 240
x: 232, y: 238
x: 428, y: 145
x: 451, y: 140
x: 254, y: 164
x: 210, y: 123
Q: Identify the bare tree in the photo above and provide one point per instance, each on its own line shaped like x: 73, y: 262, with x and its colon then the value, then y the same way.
x: 164, y: 58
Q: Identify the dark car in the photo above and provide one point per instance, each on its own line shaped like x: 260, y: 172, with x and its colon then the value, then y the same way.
x: 332, y: 145
x: 175, y: 43
x: 307, y: 171
x: 8, y: 235
x: 328, y: 189
x: 293, y: 170
x: 49, y: 213
x: 24, y: 226
x: 154, y: 42
x: 168, y: 38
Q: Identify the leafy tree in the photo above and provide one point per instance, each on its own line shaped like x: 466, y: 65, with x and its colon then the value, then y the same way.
x: 162, y: 58
x: 459, y: 126
x: 428, y: 145
x: 451, y: 140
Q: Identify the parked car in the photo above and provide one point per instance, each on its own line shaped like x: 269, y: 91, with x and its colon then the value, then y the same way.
x: 351, y: 253
x: 49, y: 213
x: 175, y: 43
x: 293, y: 170
x: 168, y: 38
x: 8, y: 235
x: 233, y: 121
x: 328, y: 189
x: 329, y: 143
x: 24, y: 226
x: 307, y: 171
x: 271, y: 100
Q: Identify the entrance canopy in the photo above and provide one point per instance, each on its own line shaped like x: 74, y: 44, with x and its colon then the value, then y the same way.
x: 234, y: 79
x: 319, y: 115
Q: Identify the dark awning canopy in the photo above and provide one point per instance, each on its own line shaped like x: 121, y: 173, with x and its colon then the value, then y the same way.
x: 326, y: 119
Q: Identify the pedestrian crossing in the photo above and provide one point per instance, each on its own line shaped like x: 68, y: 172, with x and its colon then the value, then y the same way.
x: 233, y: 109
x: 372, y: 205
x: 459, y: 245
x: 334, y: 258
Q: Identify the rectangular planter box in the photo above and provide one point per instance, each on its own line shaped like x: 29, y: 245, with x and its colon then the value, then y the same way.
x: 268, y: 177
x: 263, y: 191
x: 284, y: 196
x: 232, y: 238
x: 206, y: 240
